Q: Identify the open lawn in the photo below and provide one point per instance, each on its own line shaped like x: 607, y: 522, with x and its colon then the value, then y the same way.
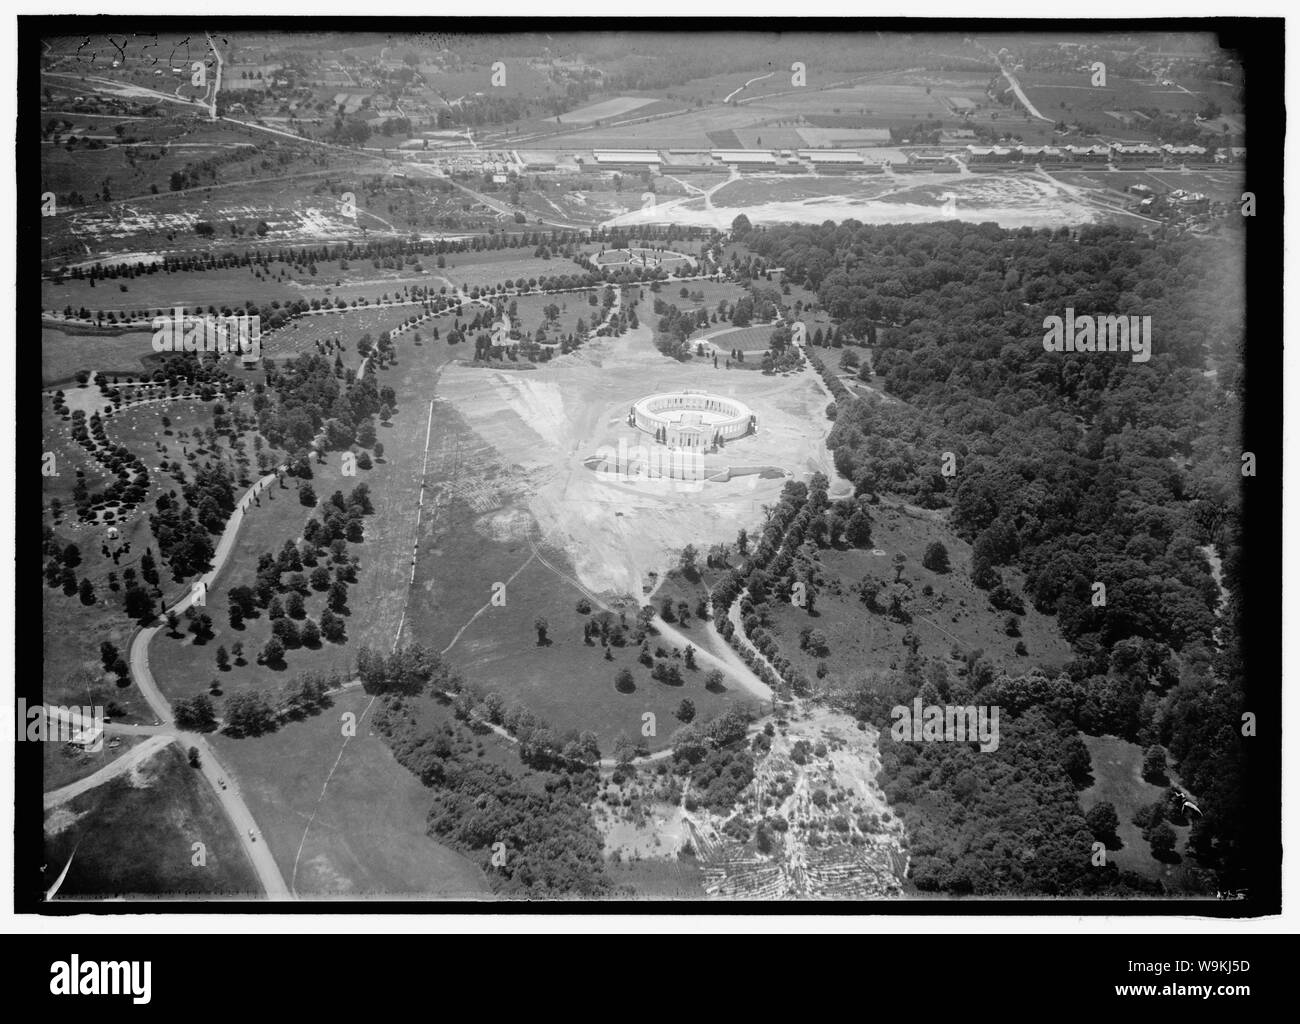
x: 747, y: 339
x: 342, y: 817
x: 135, y: 835
x: 954, y: 617
x: 1117, y: 779
x: 63, y: 353
x: 567, y: 682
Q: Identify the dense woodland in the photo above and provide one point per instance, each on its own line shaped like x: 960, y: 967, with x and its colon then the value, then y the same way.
x: 1076, y: 469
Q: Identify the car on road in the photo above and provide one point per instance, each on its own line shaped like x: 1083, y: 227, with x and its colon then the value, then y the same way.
x: 252, y: 835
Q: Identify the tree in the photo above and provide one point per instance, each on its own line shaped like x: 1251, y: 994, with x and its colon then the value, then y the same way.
x: 1102, y: 821
x: 139, y: 605
x: 1076, y: 760
x: 307, y: 494
x: 309, y: 635
x: 541, y: 625
x: 857, y: 531
x: 714, y: 680
x: 936, y: 557
x: 623, y: 681
x: 194, y: 757
x: 1163, y: 840
x: 900, y: 560
x: 273, y: 652
x: 196, y: 714
x: 223, y: 659
x: 687, y: 562
x: 686, y: 710
x: 332, y: 627
x: 689, y: 745
x: 1154, y: 765
x: 338, y: 596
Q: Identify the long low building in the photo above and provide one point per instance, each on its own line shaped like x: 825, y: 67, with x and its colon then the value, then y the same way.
x: 625, y: 160
x: 831, y: 157
x: 746, y: 157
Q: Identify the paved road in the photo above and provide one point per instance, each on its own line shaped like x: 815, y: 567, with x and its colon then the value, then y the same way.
x: 240, y: 816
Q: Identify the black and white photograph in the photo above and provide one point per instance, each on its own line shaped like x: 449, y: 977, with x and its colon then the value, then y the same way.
x: 625, y: 463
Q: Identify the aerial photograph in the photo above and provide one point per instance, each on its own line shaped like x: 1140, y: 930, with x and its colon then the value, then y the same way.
x: 636, y: 463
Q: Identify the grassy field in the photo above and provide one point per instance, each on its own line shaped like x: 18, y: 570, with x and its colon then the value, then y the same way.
x: 346, y: 326
x: 73, y: 631
x: 184, y: 667
x: 367, y: 826
x: 568, y: 683
x: 65, y: 764
x: 747, y: 339
x: 711, y: 292
x: 1069, y: 96
x: 134, y: 835
x: 660, y: 879
x: 233, y: 287
x: 376, y: 600
x: 1221, y: 185
x: 477, y: 269
x: 63, y: 353
x: 1117, y: 779
x: 954, y: 616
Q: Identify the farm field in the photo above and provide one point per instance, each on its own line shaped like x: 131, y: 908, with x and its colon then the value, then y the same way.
x: 1059, y: 95
x: 617, y: 107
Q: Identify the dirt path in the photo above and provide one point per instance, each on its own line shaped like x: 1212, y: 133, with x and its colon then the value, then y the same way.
x: 136, y: 755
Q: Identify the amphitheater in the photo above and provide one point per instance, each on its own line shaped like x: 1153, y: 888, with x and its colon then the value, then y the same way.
x: 692, y: 419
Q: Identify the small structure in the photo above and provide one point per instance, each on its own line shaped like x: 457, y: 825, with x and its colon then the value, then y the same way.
x: 89, y: 738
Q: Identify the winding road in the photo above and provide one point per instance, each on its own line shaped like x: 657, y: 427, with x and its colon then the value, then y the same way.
x: 241, y: 818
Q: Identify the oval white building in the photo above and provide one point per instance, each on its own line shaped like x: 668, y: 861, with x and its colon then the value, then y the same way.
x: 692, y: 419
